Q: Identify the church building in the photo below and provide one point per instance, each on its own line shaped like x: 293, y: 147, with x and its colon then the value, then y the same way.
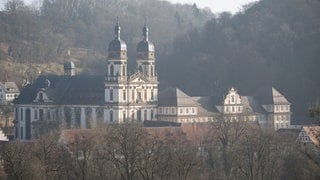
x: 72, y: 101
x: 85, y: 101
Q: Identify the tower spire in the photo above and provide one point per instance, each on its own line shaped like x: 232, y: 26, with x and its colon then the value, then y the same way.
x: 145, y: 29
x: 117, y: 29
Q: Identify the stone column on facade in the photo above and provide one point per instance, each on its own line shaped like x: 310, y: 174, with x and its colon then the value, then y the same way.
x: 73, y: 118
x: 83, y: 118
x: 32, y: 133
x: 94, y: 117
x: 23, y: 123
x: 105, y: 114
x: 62, y: 116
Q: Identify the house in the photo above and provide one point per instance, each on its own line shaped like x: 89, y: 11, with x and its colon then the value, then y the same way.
x: 309, y: 138
x: 8, y: 92
x: 267, y: 107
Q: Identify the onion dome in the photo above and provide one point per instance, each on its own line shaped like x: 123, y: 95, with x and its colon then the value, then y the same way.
x: 145, y: 45
x: 117, y: 44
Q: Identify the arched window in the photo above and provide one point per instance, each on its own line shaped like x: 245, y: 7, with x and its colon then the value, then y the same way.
x: 123, y: 70
x: 111, y: 70
x: 133, y: 97
x: 151, y: 72
x: 140, y: 68
x: 111, y: 116
x: 111, y: 94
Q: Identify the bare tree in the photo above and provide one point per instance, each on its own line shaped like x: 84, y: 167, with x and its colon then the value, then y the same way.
x: 125, y: 141
x: 183, y: 154
x: 224, y: 137
x: 17, y: 161
x: 14, y: 5
x: 51, y: 157
x: 153, y: 158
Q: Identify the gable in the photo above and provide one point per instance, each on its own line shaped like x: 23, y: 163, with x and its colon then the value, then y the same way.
x: 138, y: 77
x: 41, y: 97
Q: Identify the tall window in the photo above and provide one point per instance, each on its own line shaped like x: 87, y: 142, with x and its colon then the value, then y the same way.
x: 145, y: 95
x: 152, y: 71
x: 123, y: 70
x: 152, y: 114
x: 111, y: 116
x: 40, y: 97
x: 21, y: 113
x: 35, y: 114
x: 41, y: 114
x: 21, y: 133
x: 124, y: 95
x: 111, y: 94
x: 111, y: 70
x: 152, y: 95
x: 145, y: 112
x: 48, y: 115
x: 133, y: 97
x: 28, y: 124
x: 124, y: 115
x: 139, y: 96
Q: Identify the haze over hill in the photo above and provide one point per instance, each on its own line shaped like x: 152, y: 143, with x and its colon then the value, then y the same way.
x: 215, y: 5
x: 272, y: 42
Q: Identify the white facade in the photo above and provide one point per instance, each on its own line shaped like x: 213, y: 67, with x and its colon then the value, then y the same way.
x: 8, y: 92
x: 124, y: 98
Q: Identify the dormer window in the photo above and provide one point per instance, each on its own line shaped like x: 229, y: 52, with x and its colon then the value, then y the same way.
x: 41, y: 97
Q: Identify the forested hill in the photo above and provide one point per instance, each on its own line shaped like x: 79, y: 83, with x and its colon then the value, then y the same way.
x: 271, y: 43
x: 34, y: 40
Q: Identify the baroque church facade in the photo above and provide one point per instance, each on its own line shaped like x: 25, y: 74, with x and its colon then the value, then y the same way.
x: 84, y: 101
x: 73, y: 101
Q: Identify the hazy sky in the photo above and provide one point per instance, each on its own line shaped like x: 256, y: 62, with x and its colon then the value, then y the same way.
x: 217, y: 5
x: 214, y: 5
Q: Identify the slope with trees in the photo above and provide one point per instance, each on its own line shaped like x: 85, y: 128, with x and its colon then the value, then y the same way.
x: 269, y: 43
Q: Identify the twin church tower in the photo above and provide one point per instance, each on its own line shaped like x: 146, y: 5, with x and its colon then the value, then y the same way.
x: 85, y: 101
x: 131, y: 97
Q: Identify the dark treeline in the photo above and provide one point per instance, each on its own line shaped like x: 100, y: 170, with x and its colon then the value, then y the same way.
x: 223, y: 151
x: 30, y: 35
x: 270, y: 43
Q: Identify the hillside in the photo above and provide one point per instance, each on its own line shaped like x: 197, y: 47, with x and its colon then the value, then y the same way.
x: 29, y: 36
x: 271, y: 43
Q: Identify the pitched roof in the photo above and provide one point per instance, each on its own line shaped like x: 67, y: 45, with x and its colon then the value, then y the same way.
x: 175, y: 97
x: 10, y: 87
x: 313, y: 133
x: 250, y: 105
x: 267, y: 95
x: 65, y: 89
x: 207, y: 105
x: 3, y: 137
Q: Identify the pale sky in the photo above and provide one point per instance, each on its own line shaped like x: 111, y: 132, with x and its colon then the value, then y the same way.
x: 215, y: 5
